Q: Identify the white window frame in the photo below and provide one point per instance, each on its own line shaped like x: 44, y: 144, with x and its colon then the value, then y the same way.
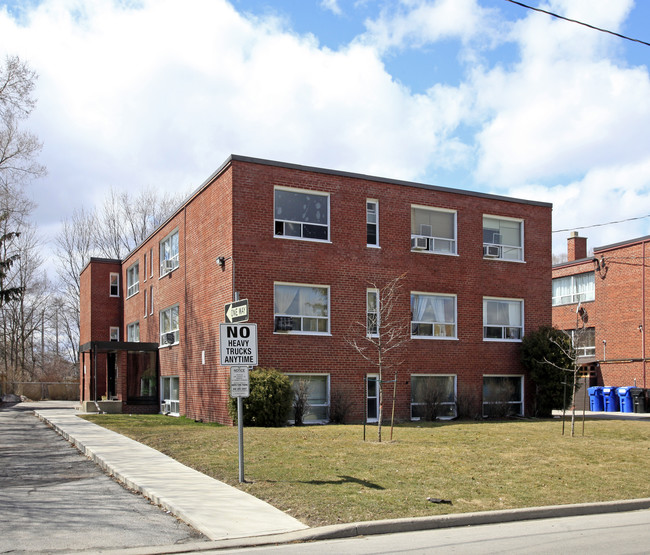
x: 168, y: 254
x: 374, y: 398
x: 114, y: 283
x: 451, y: 404
x: 144, y: 267
x: 504, y: 327
x: 146, y: 306
x: 278, y: 324
x: 133, y: 332
x: 585, y: 350
x: 133, y: 279
x: 440, y: 325
x: 423, y: 240
x: 168, y: 401
x: 168, y: 313
x: 295, y: 377
x: 150, y: 263
x: 370, y: 215
x: 372, y: 316
x: 151, y: 300
x: 114, y: 333
x: 574, y: 296
x: 521, y: 393
x: 282, y: 223
x: 496, y: 249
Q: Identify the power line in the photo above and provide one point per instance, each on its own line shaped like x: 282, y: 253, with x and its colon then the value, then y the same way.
x: 578, y: 22
x: 599, y: 225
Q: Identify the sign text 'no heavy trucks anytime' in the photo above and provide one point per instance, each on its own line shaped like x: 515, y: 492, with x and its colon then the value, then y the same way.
x: 238, y: 344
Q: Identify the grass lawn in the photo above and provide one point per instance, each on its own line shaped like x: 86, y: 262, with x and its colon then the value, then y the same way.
x: 328, y: 474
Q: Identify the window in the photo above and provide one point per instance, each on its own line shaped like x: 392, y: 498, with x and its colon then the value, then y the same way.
x: 150, y: 262
x: 146, y: 307
x: 433, y: 316
x: 503, y: 319
x: 372, y: 312
x: 301, y: 308
x: 372, y: 397
x: 151, y: 300
x: 133, y: 332
x: 503, y: 238
x: 584, y: 342
x: 169, y: 401
x: 317, y: 395
x: 574, y: 289
x: 372, y: 223
x: 133, y: 279
x: 142, y: 378
x: 302, y: 215
x: 503, y: 396
x: 433, y: 230
x: 115, y: 285
x: 433, y: 396
x: 144, y: 265
x: 114, y: 333
x: 169, y: 253
x: 169, y: 329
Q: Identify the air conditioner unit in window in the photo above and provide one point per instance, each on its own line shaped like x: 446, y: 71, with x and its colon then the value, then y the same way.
x: 168, y: 265
x: 491, y: 251
x: 166, y: 407
x: 419, y: 243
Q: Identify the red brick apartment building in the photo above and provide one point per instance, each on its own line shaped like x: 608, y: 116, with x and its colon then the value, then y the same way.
x: 306, y: 242
x: 613, y: 286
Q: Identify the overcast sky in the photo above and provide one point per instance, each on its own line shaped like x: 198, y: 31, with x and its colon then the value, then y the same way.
x: 481, y: 95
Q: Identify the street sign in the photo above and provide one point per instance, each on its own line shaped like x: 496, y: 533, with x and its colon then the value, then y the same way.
x: 239, y: 384
x: 237, y: 311
x: 238, y: 344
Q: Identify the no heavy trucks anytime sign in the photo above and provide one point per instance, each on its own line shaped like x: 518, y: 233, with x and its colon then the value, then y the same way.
x: 238, y: 344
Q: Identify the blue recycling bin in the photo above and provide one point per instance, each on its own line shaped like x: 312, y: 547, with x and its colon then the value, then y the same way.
x: 596, y: 402
x: 625, y: 398
x: 610, y: 399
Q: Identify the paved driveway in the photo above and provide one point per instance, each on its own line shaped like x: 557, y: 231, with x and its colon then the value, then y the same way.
x: 54, y: 499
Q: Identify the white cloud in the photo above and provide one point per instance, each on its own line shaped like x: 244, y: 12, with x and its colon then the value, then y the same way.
x: 331, y: 5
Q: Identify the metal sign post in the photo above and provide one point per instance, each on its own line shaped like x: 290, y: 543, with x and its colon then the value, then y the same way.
x: 240, y: 388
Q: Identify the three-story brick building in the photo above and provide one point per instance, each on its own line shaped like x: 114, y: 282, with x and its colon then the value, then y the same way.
x: 304, y: 245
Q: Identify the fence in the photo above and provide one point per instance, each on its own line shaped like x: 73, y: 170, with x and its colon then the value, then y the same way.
x: 54, y: 391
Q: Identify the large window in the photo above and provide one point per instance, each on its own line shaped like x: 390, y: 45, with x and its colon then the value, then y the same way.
x: 503, y: 238
x: 133, y: 279
x: 169, y: 328
x: 115, y: 285
x: 574, y: 289
x: 433, y: 316
x: 372, y: 312
x: 301, y: 214
x: 372, y: 223
x: 133, y: 332
x: 142, y: 386
x: 433, y: 230
x: 433, y: 396
x: 503, y: 319
x: 169, y: 253
x: 503, y: 396
x: 301, y: 308
x: 169, y: 400
x: 318, y: 397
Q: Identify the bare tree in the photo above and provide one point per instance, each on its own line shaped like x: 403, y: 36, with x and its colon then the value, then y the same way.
x: 379, y: 337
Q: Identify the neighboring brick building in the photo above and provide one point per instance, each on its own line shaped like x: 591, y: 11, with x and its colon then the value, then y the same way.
x: 305, y: 243
x: 611, y: 285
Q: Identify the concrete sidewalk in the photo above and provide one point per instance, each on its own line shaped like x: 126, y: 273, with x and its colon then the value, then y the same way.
x: 233, y: 518
x: 215, y: 509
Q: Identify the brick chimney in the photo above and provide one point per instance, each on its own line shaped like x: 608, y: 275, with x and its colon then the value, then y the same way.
x: 576, y: 247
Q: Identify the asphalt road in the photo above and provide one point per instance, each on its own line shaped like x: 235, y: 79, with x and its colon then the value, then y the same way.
x: 604, y: 534
x: 53, y: 499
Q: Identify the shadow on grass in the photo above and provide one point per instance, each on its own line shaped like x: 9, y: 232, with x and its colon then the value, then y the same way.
x: 341, y: 481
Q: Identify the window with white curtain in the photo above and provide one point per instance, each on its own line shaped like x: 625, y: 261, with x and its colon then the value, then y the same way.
x: 433, y: 230
x: 503, y: 238
x: 503, y: 319
x: 433, y: 316
x: 301, y: 308
x: 574, y: 289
